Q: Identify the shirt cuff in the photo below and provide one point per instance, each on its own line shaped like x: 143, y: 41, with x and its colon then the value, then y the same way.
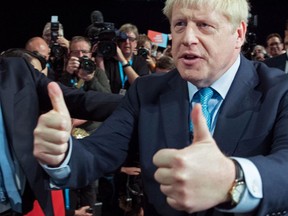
x: 253, y: 192
x: 58, y: 174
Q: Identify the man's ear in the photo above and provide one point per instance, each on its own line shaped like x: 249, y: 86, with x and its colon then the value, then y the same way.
x: 241, y: 34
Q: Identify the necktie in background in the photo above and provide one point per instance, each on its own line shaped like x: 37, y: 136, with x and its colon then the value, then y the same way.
x: 205, y: 94
x: 7, y: 170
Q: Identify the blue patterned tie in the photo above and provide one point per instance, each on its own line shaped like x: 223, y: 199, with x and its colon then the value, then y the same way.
x: 205, y: 94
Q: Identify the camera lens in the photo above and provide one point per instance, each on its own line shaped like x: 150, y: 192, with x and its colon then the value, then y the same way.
x: 87, y: 64
x: 57, y: 51
x: 143, y: 52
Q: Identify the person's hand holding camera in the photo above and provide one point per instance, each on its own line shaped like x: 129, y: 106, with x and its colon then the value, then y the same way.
x: 99, y: 60
x: 151, y: 63
x: 120, y: 57
x: 63, y: 42
x: 72, y: 65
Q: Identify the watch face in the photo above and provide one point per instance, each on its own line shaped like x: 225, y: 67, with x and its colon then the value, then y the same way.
x: 237, y: 192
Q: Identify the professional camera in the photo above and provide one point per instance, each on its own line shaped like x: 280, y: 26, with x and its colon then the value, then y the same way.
x: 142, y: 51
x: 87, y: 64
x: 57, y: 51
x: 106, y: 36
x: 251, y: 37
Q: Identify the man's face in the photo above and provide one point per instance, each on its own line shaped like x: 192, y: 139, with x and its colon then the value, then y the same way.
x: 47, y: 35
x: 79, y: 49
x: 129, y: 45
x: 275, y: 47
x: 204, y: 45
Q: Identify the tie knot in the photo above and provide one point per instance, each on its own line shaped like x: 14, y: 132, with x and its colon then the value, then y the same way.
x: 205, y: 94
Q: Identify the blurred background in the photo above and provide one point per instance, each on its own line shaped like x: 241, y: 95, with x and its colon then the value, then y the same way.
x: 18, y: 24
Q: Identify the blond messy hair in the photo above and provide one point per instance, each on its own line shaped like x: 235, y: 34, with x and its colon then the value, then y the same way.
x: 235, y: 11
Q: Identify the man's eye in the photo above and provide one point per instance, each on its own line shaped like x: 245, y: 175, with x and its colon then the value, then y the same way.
x: 179, y: 26
x: 206, y: 28
x: 180, y: 23
x: 203, y: 25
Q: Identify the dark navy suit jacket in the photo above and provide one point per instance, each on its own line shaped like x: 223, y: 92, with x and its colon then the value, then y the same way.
x: 277, y: 61
x: 252, y: 123
x: 23, y: 96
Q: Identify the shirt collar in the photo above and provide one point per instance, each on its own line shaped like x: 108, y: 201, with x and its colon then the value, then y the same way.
x: 221, y: 85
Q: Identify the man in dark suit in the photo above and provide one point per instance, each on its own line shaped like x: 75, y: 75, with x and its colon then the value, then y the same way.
x: 235, y: 162
x: 24, y: 97
x: 279, y: 61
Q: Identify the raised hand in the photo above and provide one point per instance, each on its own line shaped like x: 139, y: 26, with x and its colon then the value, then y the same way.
x: 53, y: 130
x: 197, y: 177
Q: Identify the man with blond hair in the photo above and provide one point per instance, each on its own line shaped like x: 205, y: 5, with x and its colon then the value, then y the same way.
x: 229, y: 155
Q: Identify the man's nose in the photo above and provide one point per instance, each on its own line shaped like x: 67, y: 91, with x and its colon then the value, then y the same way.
x: 190, y: 36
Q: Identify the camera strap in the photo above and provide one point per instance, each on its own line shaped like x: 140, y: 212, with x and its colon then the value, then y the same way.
x: 123, y: 76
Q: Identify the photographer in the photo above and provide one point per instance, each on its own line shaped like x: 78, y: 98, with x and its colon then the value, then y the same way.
x: 81, y: 70
x: 53, y: 34
x: 122, y: 69
x: 60, y: 39
x: 124, y: 66
x: 144, y: 49
x: 39, y: 45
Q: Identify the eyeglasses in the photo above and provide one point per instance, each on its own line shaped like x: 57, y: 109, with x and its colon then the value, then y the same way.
x: 274, y: 44
x: 131, y: 39
x: 78, y: 51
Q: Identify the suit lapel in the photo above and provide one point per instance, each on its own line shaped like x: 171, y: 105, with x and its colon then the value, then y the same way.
x: 237, y: 109
x: 174, y: 112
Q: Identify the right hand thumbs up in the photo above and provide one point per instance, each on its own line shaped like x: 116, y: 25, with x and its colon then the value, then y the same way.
x: 53, y: 130
x: 201, y: 132
x: 197, y: 177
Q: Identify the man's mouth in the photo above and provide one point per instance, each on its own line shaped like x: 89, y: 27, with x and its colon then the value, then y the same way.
x: 190, y: 57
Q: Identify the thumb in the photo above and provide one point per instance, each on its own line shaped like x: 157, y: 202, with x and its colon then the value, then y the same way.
x: 200, y: 128
x: 57, y: 100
